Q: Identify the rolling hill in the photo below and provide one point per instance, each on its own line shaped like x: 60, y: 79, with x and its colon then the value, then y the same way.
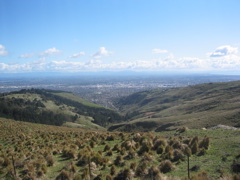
x: 197, y: 106
x: 55, y: 108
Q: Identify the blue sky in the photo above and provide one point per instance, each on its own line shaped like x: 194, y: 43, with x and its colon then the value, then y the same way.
x: 119, y: 35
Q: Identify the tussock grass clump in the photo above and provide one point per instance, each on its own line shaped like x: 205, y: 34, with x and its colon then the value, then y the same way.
x: 109, y: 177
x: 110, y: 138
x: 119, y: 161
x: 113, y: 170
x: 158, y: 143
x: 182, y: 129
x: 160, y: 149
x: 50, y: 160
x: 69, y: 153
x: 141, y: 169
x: 116, y: 148
x: 133, y: 166
x: 166, y: 166
x: 124, y: 174
x: 106, y: 148
x: 153, y: 173
x: 109, y: 153
x: 63, y: 175
x: 204, y: 143
x: 178, y: 155
x: 64, y: 152
x: 236, y: 166
x: 131, y: 154
x: 200, y: 176
x: 83, y: 160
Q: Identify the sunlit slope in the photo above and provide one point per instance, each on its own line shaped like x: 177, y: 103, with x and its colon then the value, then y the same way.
x: 55, y: 108
x: 196, y: 106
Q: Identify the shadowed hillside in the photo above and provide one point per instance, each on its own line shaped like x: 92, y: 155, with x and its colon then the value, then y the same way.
x: 198, y: 106
x: 55, y: 108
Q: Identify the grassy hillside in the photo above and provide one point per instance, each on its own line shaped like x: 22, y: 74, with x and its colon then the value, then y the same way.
x: 198, y: 106
x: 36, y: 151
x: 55, y: 108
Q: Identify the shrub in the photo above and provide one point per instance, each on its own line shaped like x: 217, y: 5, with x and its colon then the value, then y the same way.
x: 166, y: 166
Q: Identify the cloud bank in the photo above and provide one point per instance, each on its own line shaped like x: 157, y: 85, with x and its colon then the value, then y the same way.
x: 224, y: 58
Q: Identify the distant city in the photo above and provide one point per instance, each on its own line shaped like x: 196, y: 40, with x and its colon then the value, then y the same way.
x: 104, y: 88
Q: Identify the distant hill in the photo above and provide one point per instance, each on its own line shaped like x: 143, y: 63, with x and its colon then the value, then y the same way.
x: 55, y: 108
x: 197, y: 106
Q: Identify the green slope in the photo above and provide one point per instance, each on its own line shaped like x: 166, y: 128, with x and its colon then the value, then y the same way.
x: 198, y: 106
x: 55, y: 108
x: 44, y: 152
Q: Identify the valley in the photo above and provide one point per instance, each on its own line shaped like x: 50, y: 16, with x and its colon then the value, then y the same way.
x: 149, y: 134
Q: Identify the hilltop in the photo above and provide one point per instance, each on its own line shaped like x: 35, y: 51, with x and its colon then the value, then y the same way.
x: 198, y: 106
x: 55, y: 108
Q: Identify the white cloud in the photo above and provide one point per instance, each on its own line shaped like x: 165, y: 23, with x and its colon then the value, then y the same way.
x: 50, y: 51
x: 77, y: 55
x: 159, y: 51
x: 224, y: 51
x: 3, y: 51
x: 228, y: 60
x: 102, y: 52
x: 26, y: 56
